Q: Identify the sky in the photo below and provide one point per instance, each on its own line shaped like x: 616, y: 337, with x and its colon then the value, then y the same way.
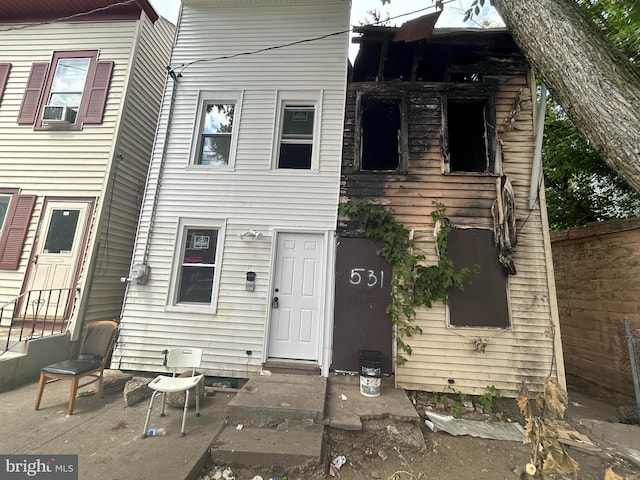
x: 452, y: 15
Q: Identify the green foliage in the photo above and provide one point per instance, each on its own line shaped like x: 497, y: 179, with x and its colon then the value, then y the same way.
x: 486, y: 399
x: 619, y: 20
x: 449, y: 404
x: 413, y: 284
x: 580, y: 187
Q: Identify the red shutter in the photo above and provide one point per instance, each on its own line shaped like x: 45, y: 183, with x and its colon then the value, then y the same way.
x: 15, y: 231
x: 5, y: 68
x: 98, y: 93
x: 32, y: 93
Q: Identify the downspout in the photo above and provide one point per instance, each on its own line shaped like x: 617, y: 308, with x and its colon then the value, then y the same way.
x: 536, y: 168
x: 174, y: 76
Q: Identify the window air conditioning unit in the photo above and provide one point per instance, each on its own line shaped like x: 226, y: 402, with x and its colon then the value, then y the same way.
x: 58, y: 114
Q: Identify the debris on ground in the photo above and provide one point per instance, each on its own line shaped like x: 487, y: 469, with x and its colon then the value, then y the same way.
x: 475, y: 428
x: 336, y: 465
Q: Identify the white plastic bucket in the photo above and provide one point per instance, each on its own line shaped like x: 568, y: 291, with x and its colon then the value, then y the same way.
x: 370, y: 386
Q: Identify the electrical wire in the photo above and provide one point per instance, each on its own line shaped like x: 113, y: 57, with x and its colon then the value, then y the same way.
x: 70, y: 17
x: 184, y: 66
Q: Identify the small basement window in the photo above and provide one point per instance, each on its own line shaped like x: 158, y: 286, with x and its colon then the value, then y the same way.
x: 483, y: 302
x: 470, y: 127
x: 382, y: 133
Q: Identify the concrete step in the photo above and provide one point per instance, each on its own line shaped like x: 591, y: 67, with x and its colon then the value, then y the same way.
x: 291, y: 444
x: 269, y: 400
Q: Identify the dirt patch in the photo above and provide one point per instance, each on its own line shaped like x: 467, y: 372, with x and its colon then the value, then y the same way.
x: 389, y: 450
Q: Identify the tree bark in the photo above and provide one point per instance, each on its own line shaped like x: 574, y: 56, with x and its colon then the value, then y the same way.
x: 595, y: 84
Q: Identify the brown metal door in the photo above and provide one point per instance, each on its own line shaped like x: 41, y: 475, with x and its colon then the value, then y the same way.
x: 363, y: 288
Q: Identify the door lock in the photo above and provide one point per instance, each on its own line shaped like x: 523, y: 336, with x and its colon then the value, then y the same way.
x: 274, y: 302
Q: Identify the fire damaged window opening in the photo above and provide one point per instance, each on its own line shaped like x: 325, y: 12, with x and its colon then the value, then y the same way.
x: 383, y: 140
x: 469, y: 139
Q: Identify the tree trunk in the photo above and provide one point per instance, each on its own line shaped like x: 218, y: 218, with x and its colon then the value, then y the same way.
x: 595, y: 84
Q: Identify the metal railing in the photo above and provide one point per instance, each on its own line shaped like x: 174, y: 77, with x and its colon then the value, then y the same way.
x: 35, y: 314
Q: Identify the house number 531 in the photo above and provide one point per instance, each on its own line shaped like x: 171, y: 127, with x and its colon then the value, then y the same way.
x: 370, y: 277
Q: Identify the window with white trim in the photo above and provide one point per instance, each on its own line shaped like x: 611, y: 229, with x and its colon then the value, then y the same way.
x: 297, y: 136
x: 197, y: 260
x: 216, y: 131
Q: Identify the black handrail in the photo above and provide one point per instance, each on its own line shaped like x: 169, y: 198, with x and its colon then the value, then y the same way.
x: 48, y: 308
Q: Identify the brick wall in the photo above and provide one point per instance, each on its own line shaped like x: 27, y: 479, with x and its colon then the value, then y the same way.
x: 597, y: 271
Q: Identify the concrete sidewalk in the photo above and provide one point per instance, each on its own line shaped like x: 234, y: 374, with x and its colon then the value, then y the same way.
x: 105, y: 433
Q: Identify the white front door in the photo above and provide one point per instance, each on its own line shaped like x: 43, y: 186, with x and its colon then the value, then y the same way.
x: 57, y: 257
x: 297, y: 297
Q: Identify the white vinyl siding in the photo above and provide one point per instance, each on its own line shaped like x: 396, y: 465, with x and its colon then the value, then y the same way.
x: 252, y: 195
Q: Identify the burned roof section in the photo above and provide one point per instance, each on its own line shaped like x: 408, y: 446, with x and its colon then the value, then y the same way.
x: 417, y: 52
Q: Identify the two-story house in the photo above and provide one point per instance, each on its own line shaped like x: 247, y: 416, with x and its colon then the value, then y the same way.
x: 448, y: 117
x: 237, y: 229
x: 81, y: 83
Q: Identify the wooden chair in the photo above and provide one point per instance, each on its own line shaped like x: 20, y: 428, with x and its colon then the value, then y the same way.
x: 94, y: 353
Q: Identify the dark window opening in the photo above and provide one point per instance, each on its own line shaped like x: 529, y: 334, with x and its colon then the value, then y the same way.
x: 198, y: 266
x: 62, y: 231
x: 381, y: 123
x: 468, y: 139
x: 483, y: 302
x: 296, y: 142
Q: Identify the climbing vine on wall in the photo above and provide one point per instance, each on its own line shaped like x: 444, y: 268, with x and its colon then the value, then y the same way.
x: 413, y: 283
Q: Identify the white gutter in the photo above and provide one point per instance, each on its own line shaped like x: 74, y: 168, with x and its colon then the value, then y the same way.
x: 536, y: 168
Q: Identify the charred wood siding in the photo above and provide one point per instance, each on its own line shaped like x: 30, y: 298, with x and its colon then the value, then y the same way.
x: 411, y: 193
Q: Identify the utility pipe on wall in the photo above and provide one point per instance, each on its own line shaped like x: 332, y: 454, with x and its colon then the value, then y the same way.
x: 536, y: 168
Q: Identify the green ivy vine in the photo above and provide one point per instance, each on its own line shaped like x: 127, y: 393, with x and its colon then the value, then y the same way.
x: 413, y: 284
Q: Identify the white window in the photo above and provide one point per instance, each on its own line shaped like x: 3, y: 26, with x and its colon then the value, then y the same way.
x: 298, y: 126
x: 196, y: 275
x: 68, y: 82
x: 4, y: 208
x: 216, y: 131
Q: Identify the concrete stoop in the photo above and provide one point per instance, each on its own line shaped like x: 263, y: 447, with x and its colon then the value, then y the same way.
x: 274, y: 420
x: 284, y: 447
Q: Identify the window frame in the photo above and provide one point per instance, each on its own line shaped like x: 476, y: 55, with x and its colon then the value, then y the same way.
x: 402, y: 102
x: 94, y: 94
x: 206, y: 97
x: 492, y: 162
x: 184, y: 224
x: 92, y: 55
x: 287, y: 98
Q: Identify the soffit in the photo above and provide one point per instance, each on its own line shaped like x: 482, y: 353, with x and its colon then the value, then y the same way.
x: 28, y: 11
